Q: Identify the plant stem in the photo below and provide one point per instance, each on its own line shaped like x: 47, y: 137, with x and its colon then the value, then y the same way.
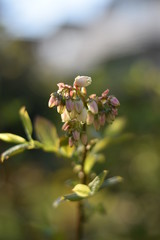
x: 81, y: 214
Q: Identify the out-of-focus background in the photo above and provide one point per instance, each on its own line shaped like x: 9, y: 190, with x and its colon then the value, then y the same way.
x: 117, y: 43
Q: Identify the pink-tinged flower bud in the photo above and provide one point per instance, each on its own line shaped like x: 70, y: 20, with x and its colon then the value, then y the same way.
x: 71, y: 93
x: 78, y: 105
x: 90, y: 118
x: 61, y: 86
x: 102, y: 119
x: 76, y: 135
x: 84, y: 138
x: 114, y: 101
x: 82, y: 116
x: 60, y: 109
x: 96, y: 124
x: 69, y: 105
x: 65, y: 116
x: 114, y: 111
x: 105, y: 93
x: 110, y: 118
x: 70, y: 141
x: 93, y: 96
x: 53, y: 101
x: 65, y: 126
x: 92, y: 106
x: 82, y: 81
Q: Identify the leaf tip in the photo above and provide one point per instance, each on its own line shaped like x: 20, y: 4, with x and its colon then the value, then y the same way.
x: 120, y: 179
x: 58, y: 201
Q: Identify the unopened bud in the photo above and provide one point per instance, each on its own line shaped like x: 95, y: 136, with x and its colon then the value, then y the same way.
x: 61, y: 86
x: 53, y: 101
x: 96, y: 124
x: 70, y: 141
x: 60, y: 109
x: 84, y: 138
x: 81, y: 174
x: 82, y: 116
x: 92, y: 106
x: 82, y: 81
x: 114, y: 111
x: 65, y: 116
x: 76, y: 135
x: 71, y: 93
x: 79, y: 105
x: 105, y: 93
x: 93, y: 96
x: 84, y: 91
x: 65, y: 126
x: 110, y: 118
x: 73, y: 114
x: 69, y: 105
x: 90, y: 118
x: 102, y: 119
x: 114, y: 101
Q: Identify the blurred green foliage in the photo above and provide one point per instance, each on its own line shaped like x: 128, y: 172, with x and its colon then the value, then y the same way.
x: 30, y: 182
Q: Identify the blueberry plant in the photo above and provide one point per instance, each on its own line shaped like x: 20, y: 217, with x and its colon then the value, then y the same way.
x: 78, y: 112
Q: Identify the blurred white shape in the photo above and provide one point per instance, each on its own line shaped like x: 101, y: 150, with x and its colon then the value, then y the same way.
x: 33, y: 18
x: 123, y: 29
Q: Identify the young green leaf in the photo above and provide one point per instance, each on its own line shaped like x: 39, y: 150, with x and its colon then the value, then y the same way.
x: 112, y: 181
x: 89, y: 162
x: 15, y: 150
x: 73, y: 197
x: 116, y: 128
x: 47, y: 134
x: 9, y: 137
x: 97, y: 182
x: 91, y: 159
x: 101, y: 145
x: 26, y: 122
x: 82, y: 190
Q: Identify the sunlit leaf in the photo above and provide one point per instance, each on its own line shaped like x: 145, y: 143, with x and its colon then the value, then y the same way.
x: 100, y: 145
x: 73, y: 197
x: 112, y: 181
x: 47, y: 134
x: 82, y: 190
x: 9, y: 137
x: 26, y: 122
x: 65, y: 149
x: 91, y: 159
x: 89, y: 162
x: 15, y: 150
x: 97, y: 182
x: 116, y: 127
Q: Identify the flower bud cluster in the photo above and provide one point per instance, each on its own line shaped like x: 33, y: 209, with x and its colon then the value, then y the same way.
x: 77, y: 110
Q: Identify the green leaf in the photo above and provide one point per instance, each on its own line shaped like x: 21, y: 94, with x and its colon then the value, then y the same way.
x: 91, y: 159
x: 26, y: 122
x: 89, y: 162
x: 82, y: 190
x: 47, y: 134
x: 97, y: 182
x: 73, y: 197
x: 15, y: 150
x: 9, y: 137
x: 112, y: 181
x: 116, y: 127
x: 100, y: 145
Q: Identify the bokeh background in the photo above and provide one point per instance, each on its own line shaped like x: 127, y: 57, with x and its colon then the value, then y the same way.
x: 117, y: 43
